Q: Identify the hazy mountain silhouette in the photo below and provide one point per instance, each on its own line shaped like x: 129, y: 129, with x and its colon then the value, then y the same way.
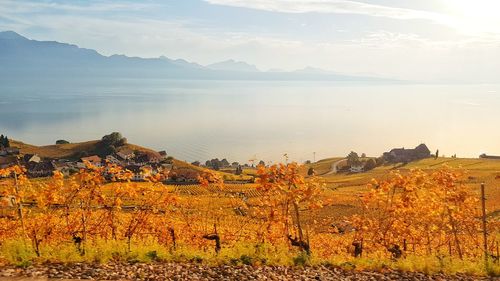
x: 232, y: 65
x: 22, y: 58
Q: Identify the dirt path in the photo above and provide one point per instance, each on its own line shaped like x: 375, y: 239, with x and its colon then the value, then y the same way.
x: 192, y: 271
x: 333, y: 169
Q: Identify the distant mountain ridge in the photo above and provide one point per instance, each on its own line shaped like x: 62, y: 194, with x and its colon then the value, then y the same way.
x: 21, y: 58
x: 232, y: 65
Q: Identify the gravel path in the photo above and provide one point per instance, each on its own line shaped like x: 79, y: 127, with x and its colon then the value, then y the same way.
x: 186, y: 271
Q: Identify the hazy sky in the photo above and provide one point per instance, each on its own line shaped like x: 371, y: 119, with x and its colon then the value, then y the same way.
x: 438, y: 40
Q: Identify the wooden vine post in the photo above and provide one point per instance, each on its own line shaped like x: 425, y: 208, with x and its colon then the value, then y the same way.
x: 20, y: 207
x: 485, y: 233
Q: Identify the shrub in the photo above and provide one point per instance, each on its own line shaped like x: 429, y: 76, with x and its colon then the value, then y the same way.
x: 245, y: 259
x: 301, y: 259
x: 370, y: 164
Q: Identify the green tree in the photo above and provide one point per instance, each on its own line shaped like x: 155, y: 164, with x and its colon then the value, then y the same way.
x: 353, y: 159
x: 6, y: 142
x: 311, y: 172
x: 112, y: 139
x: 380, y: 161
x: 62, y: 141
x: 370, y: 164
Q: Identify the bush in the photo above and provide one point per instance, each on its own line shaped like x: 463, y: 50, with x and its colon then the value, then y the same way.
x: 62, y: 142
x: 380, y: 161
x: 311, y: 172
x: 370, y: 164
x: 247, y: 260
x: 152, y: 255
x: 301, y: 259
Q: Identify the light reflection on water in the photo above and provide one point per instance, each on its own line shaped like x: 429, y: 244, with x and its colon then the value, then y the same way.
x: 198, y: 120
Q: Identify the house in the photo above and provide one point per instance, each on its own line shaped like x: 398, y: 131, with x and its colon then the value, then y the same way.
x: 94, y: 160
x: 484, y: 156
x: 163, y: 154
x: 147, y: 158
x: 402, y: 155
x: 65, y: 167
x: 7, y: 161
x: 9, y: 151
x: 27, y: 158
x: 113, y: 160
x: 141, y: 173
x: 40, y: 169
x: 125, y: 154
x: 184, y: 175
x: 167, y: 166
x: 356, y: 169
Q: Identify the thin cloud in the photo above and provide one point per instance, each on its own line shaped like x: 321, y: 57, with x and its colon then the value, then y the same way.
x: 332, y: 6
x: 33, y: 6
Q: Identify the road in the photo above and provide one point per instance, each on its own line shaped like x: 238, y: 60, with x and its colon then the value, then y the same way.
x: 333, y: 169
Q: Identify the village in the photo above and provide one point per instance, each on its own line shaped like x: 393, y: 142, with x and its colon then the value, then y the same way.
x: 113, y: 149
x: 142, y: 164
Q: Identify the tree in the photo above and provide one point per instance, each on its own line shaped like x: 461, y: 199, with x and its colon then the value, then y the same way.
x: 239, y: 170
x: 262, y: 163
x: 62, y: 141
x: 311, y: 172
x: 380, y: 161
x: 4, y: 141
x: 224, y: 163
x: 370, y: 164
x: 196, y: 163
x: 284, y: 193
x: 363, y: 155
x: 353, y: 159
x: 109, y: 143
x: 437, y: 154
x: 114, y: 138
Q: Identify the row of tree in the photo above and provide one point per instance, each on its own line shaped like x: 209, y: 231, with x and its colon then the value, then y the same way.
x: 353, y: 159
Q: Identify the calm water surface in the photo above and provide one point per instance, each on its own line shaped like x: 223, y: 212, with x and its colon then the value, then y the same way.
x: 198, y: 120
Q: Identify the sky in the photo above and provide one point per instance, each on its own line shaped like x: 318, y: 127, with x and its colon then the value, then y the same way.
x: 426, y: 40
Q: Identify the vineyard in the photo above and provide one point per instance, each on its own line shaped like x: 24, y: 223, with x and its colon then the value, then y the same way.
x: 419, y: 220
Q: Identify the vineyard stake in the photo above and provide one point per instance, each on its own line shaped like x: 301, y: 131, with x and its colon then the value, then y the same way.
x: 485, y: 234
x: 20, y: 208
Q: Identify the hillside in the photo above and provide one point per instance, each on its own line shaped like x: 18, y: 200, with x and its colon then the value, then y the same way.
x: 348, y: 187
x: 72, y: 150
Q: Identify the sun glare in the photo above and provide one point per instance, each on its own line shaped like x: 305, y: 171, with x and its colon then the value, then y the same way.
x: 476, y: 16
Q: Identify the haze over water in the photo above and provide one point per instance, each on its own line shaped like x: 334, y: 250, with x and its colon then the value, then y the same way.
x: 199, y: 120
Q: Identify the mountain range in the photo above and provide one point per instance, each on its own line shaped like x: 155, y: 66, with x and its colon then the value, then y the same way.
x: 22, y: 58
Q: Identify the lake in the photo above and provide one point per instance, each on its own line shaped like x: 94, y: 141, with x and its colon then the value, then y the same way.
x: 242, y: 120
